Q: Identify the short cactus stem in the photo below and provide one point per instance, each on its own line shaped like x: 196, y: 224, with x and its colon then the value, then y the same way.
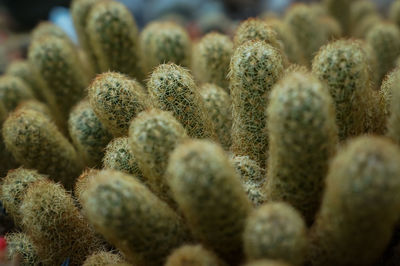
x: 46, y: 29
x: 88, y: 134
x: 303, y: 138
x: 21, y: 245
x: 164, y: 42
x: 173, y: 89
x: 128, y: 215
x: 35, y: 142
x: 153, y: 135
x: 193, y: 255
x: 255, y: 68
x: 366, y: 172
x: 119, y: 156
x: 276, y: 231
x: 13, y: 91
x: 114, y: 38
x: 218, y: 104
x: 53, y: 222
x: 209, y: 194
x: 103, y: 258
x: 83, y: 181
x: 210, y: 59
x: 116, y: 100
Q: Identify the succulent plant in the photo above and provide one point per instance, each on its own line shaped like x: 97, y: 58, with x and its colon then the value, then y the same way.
x: 102, y: 258
x: 20, y: 244
x: 193, y: 255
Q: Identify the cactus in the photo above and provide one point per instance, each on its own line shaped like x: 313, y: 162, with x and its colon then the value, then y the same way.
x: 372, y: 62
x: 173, y: 89
x: 133, y: 219
x: 218, y: 105
x: 36, y: 143
x: 303, y: 137
x: 45, y: 29
x: 164, y: 42
x: 88, y: 134
x: 360, y: 206
x: 210, y: 59
x: 255, y: 68
x: 344, y: 67
x: 13, y: 189
x: 359, y: 10
x: 275, y: 231
x: 340, y: 10
x: 394, y: 12
x: 267, y: 263
x: 116, y: 100
x: 103, y: 258
x: 331, y: 27
x: 193, y: 255
x: 57, y: 62
x: 19, y: 244
x: 13, y: 91
x: 385, y: 40
x: 391, y: 93
x: 113, y: 37
x: 210, y: 196
x: 52, y: 221
x: 82, y: 183
x: 119, y: 156
x: 153, y: 135
x: 252, y: 177
x: 362, y: 28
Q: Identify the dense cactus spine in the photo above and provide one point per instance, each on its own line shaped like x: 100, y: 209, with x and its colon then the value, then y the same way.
x: 256, y: 30
x: 211, y: 57
x: 153, y: 135
x: 20, y: 244
x: 114, y: 38
x: 303, y: 137
x: 13, y: 91
x: 52, y: 221
x: 173, y: 89
x: 35, y: 142
x: 210, y: 196
x: 13, y: 188
x: 164, y: 42
x: 254, y: 69
x: 252, y: 177
x: 385, y: 40
x: 360, y: 206
x: 343, y: 66
x: 103, y: 258
x: 391, y: 93
x: 116, y: 100
x: 193, y: 255
x: 88, y: 134
x: 133, y: 219
x: 119, y: 156
x: 276, y: 231
x: 82, y: 182
x: 217, y: 103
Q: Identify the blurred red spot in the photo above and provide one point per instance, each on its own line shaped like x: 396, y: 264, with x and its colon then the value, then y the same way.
x: 3, y: 243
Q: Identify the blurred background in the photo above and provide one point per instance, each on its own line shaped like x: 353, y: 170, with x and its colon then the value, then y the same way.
x: 18, y: 17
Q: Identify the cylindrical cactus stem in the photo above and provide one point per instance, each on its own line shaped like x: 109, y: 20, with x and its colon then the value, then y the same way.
x: 218, y: 104
x: 114, y: 38
x: 255, y: 68
x: 36, y: 106
x: 153, y: 135
x: 13, y: 188
x: 164, y: 42
x: 366, y: 172
x: 340, y: 10
x: 252, y: 177
x: 24, y: 70
x: 53, y: 222
x: 173, y: 89
x: 13, y: 91
x: 116, y: 100
x: 56, y: 61
x: 119, y: 156
x: 35, y: 142
x: 7, y: 160
x: 132, y: 218
x: 103, y: 258
x: 394, y: 12
x: 276, y: 231
x: 391, y: 93
x: 80, y: 11
x: 88, y: 134
x: 210, y: 196
x: 343, y: 66
x: 21, y: 245
x: 193, y: 255
x: 359, y: 10
x: 303, y: 137
x: 210, y: 59
x: 45, y: 29
x: 267, y: 263
x: 385, y: 40
x: 372, y: 62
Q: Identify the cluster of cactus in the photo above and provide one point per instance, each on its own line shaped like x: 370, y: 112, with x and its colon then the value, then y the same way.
x: 151, y: 148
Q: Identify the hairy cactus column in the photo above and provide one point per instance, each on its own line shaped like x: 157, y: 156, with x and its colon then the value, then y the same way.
x: 303, y: 137
x: 361, y: 204
x: 255, y: 68
x: 114, y: 38
x: 21, y: 245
